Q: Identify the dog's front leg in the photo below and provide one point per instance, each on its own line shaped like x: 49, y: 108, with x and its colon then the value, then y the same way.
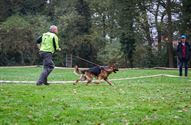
x: 108, y: 82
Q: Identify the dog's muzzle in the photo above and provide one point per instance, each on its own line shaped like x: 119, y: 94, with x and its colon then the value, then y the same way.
x: 115, y: 70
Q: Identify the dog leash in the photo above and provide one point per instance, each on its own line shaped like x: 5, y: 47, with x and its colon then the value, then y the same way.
x: 86, y: 60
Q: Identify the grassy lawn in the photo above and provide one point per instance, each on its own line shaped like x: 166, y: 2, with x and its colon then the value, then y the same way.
x: 148, y: 101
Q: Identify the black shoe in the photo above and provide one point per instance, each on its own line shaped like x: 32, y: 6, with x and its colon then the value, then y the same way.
x: 47, y: 84
x: 39, y: 84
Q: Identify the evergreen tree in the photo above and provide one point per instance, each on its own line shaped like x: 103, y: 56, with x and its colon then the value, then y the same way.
x: 186, y: 17
x: 5, y: 9
x: 126, y: 15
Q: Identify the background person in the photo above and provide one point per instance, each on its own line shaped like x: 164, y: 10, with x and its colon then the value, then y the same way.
x: 47, y: 44
x: 183, y: 53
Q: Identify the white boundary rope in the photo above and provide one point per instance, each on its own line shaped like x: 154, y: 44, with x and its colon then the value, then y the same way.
x: 120, y: 79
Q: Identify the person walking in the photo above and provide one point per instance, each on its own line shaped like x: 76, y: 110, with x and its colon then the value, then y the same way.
x: 47, y: 44
x: 183, y: 53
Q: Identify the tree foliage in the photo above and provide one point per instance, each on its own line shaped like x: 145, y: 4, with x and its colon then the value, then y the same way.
x: 130, y: 33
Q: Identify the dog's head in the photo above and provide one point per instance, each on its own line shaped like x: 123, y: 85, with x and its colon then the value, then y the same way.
x: 114, y: 68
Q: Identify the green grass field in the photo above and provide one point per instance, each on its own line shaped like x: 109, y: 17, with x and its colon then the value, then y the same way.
x: 148, y: 101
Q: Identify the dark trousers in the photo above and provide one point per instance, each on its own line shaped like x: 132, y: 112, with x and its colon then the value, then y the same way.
x: 185, y: 63
x: 48, y: 66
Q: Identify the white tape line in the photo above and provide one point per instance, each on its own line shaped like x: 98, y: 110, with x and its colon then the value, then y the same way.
x: 141, y: 77
x: 62, y: 82
x: 168, y: 75
x: 7, y: 81
x: 120, y: 79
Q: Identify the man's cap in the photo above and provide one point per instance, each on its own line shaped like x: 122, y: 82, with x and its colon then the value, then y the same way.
x: 183, y: 36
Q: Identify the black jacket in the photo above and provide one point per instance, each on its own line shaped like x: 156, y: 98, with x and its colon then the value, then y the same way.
x: 179, y: 51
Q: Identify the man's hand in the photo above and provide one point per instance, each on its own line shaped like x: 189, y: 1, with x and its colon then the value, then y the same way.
x: 38, y: 45
x: 59, y: 49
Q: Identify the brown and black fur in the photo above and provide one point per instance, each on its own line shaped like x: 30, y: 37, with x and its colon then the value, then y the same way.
x: 87, y: 75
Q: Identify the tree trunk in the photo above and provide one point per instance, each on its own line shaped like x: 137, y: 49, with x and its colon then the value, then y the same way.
x: 22, y: 58
x: 170, y: 34
x: 157, y: 26
x: 104, y: 25
x: 69, y: 60
x: 147, y: 31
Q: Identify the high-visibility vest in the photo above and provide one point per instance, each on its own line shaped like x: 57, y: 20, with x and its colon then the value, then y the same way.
x: 47, y: 42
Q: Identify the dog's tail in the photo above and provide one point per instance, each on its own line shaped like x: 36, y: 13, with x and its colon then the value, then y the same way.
x: 77, y: 71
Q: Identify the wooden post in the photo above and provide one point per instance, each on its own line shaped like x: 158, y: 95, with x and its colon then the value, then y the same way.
x: 68, y: 60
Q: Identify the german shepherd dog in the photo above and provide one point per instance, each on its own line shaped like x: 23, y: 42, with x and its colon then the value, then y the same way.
x: 98, y: 72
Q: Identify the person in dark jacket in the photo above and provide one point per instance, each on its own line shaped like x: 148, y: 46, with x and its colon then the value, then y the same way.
x: 183, y: 53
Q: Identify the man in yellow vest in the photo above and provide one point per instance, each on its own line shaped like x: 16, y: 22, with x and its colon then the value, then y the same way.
x: 47, y: 44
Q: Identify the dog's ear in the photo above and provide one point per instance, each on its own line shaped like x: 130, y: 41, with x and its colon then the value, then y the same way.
x: 111, y: 65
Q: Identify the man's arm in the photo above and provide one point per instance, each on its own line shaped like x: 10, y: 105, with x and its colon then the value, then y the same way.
x: 189, y: 54
x: 55, y: 44
x: 38, y: 41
